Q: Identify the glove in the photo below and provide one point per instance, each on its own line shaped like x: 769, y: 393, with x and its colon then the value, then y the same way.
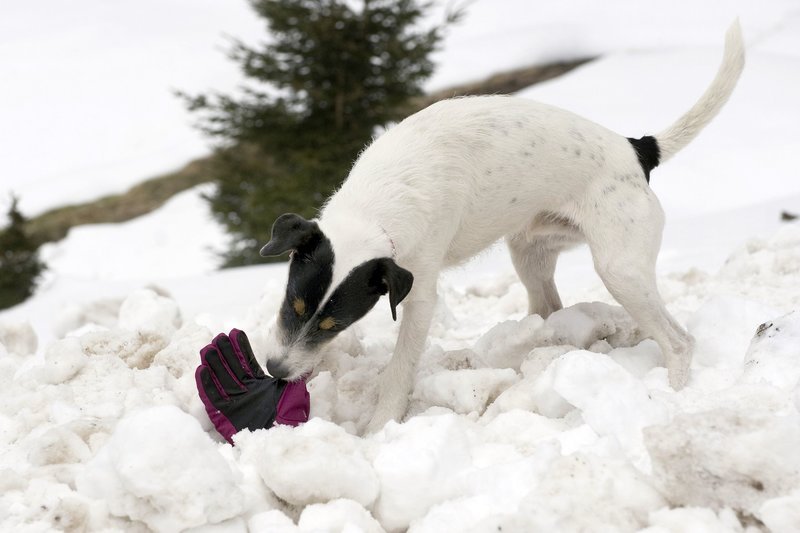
x: 238, y: 395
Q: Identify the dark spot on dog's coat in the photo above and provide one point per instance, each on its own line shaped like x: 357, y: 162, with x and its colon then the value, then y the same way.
x: 648, y: 152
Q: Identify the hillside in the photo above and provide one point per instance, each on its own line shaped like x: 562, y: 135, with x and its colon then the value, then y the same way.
x: 53, y: 224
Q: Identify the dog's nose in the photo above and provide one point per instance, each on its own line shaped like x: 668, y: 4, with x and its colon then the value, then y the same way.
x: 277, y: 369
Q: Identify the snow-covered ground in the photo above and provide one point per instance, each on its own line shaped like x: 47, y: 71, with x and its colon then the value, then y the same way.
x: 516, y: 423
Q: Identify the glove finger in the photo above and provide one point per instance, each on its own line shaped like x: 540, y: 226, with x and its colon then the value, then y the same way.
x: 209, y: 389
x: 235, y: 358
x: 241, y: 345
x: 221, y: 370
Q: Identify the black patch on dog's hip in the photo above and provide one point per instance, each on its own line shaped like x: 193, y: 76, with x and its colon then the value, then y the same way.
x: 648, y: 152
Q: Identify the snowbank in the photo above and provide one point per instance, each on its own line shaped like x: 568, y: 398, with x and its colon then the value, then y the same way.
x: 559, y: 424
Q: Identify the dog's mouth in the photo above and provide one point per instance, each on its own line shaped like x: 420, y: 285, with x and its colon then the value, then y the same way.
x: 278, y: 369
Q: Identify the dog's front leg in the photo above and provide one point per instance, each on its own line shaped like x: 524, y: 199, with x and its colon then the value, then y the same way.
x: 397, y: 379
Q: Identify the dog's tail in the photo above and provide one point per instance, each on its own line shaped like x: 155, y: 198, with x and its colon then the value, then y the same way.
x: 652, y: 151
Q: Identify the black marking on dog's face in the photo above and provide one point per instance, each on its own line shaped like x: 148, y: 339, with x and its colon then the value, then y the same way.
x: 648, y: 152
x: 310, y: 270
x: 356, y: 295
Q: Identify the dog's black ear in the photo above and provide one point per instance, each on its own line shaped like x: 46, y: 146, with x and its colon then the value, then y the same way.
x: 290, y: 232
x: 395, y: 280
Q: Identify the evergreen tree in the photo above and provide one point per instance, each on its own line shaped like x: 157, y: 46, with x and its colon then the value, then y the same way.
x: 19, y: 260
x: 330, y: 75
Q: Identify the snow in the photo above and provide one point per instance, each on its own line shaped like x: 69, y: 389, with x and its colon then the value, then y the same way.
x: 515, y: 422
x: 144, y: 472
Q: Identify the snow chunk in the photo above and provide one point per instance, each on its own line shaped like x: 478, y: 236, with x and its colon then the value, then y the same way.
x: 62, y: 361
x: 583, y: 324
x: 181, y: 356
x: 313, y: 463
x: 146, y: 311
x: 774, y: 353
x: 58, y: 445
x: 419, y: 465
x: 683, y: 519
x: 522, y: 429
x: 722, y: 329
x: 338, y: 515
x: 149, y: 469
x: 782, y: 513
x: 611, y: 400
x: 51, y: 507
x: 457, y: 515
x: 724, y: 458
x: 273, y: 521
x: 18, y: 338
x: 582, y: 492
x: 639, y: 359
x: 136, y: 348
x: 507, y: 343
x: 464, y: 391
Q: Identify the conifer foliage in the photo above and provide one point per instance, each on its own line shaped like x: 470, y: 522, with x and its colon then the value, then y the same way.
x: 330, y: 73
x: 20, y: 267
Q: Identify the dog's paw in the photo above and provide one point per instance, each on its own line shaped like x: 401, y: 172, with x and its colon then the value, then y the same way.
x: 678, y: 378
x: 389, y: 408
x: 376, y: 424
x: 678, y: 368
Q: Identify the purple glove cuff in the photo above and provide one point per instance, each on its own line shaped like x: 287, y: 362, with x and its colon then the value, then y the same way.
x: 294, y: 405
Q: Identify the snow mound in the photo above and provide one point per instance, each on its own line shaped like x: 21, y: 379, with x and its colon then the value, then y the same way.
x: 18, y: 338
x: 148, y: 471
x: 338, y: 515
x: 726, y: 458
x: 574, y: 428
x: 315, y: 463
x: 774, y: 353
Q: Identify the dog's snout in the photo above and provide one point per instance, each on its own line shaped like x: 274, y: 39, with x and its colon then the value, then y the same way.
x: 277, y: 368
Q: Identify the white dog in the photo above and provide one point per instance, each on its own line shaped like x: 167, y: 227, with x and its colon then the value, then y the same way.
x: 449, y: 181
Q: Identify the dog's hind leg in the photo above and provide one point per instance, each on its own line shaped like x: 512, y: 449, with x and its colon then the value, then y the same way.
x: 624, y: 247
x: 534, y: 260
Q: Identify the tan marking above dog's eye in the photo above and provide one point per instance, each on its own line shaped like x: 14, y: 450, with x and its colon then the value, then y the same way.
x: 299, y: 306
x: 327, y: 323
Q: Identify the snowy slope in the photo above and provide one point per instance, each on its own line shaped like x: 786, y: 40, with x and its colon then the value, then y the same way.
x: 566, y: 424
x: 515, y: 423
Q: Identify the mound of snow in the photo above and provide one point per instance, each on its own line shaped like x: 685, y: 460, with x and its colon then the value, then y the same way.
x: 726, y: 458
x: 315, y: 463
x: 148, y: 471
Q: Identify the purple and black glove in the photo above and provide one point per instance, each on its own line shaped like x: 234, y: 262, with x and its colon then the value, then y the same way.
x: 238, y: 395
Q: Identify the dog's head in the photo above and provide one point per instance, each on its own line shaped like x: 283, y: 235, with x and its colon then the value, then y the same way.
x: 316, y: 306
